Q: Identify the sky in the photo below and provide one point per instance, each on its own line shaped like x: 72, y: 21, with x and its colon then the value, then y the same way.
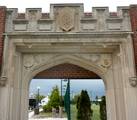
x: 95, y: 87
x: 45, y: 4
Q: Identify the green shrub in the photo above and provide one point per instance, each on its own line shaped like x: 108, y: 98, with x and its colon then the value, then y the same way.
x: 103, y: 112
x: 47, y: 108
x: 54, y: 100
x: 84, y: 111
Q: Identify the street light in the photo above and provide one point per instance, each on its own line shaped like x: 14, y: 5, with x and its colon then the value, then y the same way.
x: 38, y: 88
x: 37, y: 107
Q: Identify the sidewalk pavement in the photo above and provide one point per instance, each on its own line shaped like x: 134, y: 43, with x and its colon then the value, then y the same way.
x: 32, y: 113
x: 49, y: 119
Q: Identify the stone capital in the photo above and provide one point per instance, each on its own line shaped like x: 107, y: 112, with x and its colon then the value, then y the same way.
x: 3, y: 80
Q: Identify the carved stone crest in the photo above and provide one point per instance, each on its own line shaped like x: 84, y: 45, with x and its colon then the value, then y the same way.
x: 66, y: 18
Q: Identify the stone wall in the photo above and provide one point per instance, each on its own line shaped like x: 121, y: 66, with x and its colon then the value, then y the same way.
x: 133, y: 16
x: 2, y: 29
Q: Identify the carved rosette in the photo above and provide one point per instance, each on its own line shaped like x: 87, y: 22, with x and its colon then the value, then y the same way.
x: 66, y: 18
x: 106, y: 63
x: 28, y: 61
x: 32, y: 60
x: 133, y: 81
x: 103, y: 60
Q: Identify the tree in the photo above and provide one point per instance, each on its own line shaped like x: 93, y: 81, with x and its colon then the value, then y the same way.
x: 54, y: 100
x: 84, y: 111
x: 103, y: 112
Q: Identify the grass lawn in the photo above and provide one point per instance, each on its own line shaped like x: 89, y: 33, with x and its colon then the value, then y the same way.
x: 47, y: 114
x: 95, y: 108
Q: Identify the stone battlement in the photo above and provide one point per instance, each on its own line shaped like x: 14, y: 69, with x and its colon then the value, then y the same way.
x: 68, y: 17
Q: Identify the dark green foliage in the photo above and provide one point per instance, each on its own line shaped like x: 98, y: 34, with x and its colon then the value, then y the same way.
x: 84, y: 111
x: 103, y: 112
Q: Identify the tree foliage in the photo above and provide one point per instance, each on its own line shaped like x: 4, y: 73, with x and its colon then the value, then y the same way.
x: 54, y: 100
x: 84, y: 111
x: 103, y: 112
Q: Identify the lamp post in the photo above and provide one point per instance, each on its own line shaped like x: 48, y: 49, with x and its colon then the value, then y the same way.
x: 37, y: 107
x: 38, y: 88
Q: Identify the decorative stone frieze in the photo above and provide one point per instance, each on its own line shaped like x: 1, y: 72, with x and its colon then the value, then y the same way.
x: 70, y: 18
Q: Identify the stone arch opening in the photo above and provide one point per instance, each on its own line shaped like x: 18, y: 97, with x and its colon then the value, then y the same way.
x: 55, y: 62
x: 67, y: 71
x: 80, y: 62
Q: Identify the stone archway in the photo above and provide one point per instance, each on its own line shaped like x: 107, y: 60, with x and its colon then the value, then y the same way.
x: 110, y: 66
x: 99, y: 43
x: 76, y: 60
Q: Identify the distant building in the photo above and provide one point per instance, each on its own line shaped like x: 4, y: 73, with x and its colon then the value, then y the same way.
x: 44, y: 101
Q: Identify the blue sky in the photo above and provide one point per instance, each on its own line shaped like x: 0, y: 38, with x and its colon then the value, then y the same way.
x: 94, y: 87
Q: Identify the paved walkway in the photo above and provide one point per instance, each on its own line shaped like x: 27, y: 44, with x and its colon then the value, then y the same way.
x: 50, y: 119
x: 32, y: 113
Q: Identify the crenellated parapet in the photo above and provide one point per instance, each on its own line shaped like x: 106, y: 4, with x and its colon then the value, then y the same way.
x: 68, y: 18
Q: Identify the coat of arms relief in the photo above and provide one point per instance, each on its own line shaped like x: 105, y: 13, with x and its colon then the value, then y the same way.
x: 66, y: 18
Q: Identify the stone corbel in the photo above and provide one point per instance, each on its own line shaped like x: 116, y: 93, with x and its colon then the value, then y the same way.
x: 3, y: 80
x: 133, y: 81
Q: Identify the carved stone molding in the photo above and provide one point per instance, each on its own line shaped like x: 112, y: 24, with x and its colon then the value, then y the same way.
x: 32, y: 60
x: 66, y: 18
x: 106, y: 63
x: 133, y: 81
x: 91, y: 57
x: 102, y: 60
x: 3, y: 80
x: 28, y: 61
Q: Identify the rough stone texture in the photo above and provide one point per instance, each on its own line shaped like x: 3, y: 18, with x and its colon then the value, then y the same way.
x: 133, y: 16
x: 2, y: 29
x: 64, y: 71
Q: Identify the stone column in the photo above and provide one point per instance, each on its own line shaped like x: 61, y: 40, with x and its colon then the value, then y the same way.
x: 110, y: 95
x: 128, y: 71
